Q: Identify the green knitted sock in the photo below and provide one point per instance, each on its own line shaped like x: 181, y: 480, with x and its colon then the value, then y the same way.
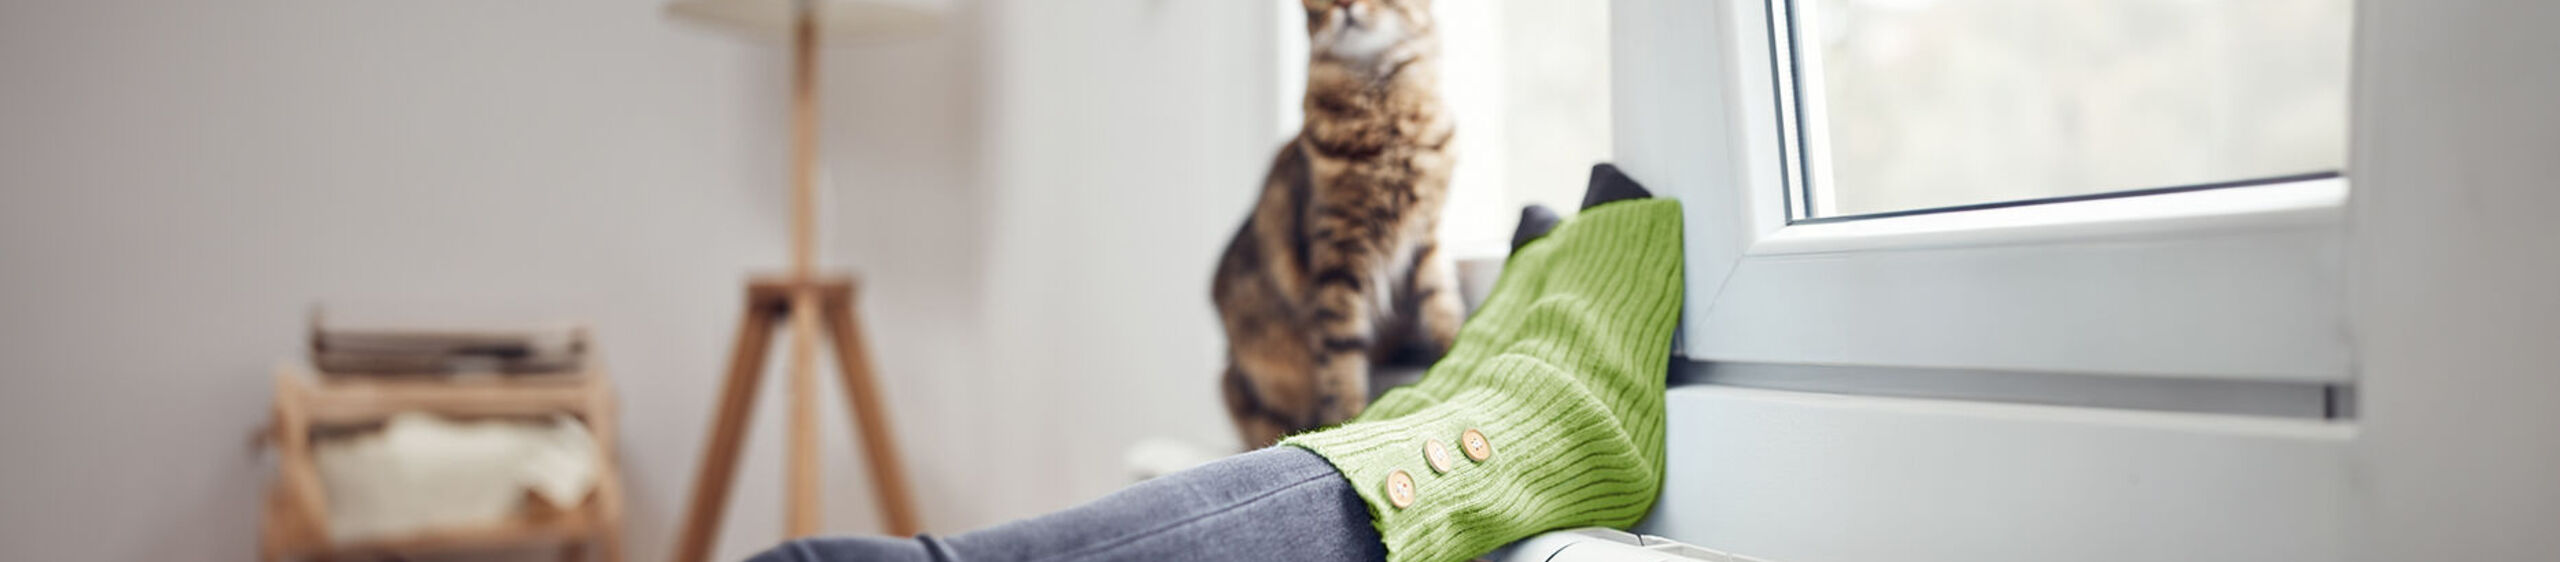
x: 1556, y: 383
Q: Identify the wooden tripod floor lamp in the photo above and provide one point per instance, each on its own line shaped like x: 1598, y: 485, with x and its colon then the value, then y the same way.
x: 803, y: 296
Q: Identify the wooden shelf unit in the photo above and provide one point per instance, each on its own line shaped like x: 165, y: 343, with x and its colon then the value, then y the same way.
x: 296, y: 521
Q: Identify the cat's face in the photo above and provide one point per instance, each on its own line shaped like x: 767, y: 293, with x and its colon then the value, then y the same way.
x: 1362, y: 31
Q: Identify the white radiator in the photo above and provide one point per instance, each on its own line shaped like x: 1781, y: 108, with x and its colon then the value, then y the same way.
x: 1597, y: 544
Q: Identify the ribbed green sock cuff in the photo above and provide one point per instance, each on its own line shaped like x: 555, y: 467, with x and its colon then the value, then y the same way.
x: 1549, y: 461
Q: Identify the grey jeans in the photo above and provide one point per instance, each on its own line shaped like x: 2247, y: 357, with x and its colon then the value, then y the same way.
x: 1280, y: 503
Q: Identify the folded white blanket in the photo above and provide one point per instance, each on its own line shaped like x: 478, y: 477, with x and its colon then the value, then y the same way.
x: 425, y: 472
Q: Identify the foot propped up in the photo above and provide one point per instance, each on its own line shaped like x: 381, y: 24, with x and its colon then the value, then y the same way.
x: 1547, y: 412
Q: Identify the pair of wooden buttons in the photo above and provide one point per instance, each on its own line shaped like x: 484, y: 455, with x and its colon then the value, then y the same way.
x: 1400, y: 487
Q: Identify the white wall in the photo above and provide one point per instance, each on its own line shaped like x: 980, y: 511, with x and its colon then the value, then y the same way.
x: 182, y: 180
x: 1034, y: 196
x: 2455, y: 261
x: 1127, y: 140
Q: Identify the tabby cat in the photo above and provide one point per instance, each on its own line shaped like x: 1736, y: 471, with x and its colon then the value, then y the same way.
x: 1337, y: 266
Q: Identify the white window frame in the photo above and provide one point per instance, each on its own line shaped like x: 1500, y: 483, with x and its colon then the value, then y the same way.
x: 2242, y: 283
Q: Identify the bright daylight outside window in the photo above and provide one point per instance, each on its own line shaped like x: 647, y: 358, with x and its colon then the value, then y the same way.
x: 1908, y: 105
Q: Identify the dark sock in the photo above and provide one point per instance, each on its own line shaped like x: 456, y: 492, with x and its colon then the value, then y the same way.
x: 1610, y: 185
x: 1535, y: 221
x: 1607, y: 185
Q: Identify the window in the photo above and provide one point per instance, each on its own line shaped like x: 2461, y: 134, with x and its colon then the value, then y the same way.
x: 1860, y: 195
x: 1920, y: 238
x: 1907, y: 105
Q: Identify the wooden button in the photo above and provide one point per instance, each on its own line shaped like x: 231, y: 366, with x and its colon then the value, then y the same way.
x: 1478, y: 449
x: 1400, y: 489
x: 1437, y: 455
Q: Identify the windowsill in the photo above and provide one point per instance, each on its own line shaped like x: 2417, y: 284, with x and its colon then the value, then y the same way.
x: 2309, y: 203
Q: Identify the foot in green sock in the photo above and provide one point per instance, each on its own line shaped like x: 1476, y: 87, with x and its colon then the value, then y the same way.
x: 1547, y: 413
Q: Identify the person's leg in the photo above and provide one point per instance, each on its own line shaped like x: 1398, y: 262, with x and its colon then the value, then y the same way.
x: 1281, y: 503
x: 1554, y: 393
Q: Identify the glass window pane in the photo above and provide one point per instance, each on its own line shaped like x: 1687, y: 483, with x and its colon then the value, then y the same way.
x: 1917, y: 104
